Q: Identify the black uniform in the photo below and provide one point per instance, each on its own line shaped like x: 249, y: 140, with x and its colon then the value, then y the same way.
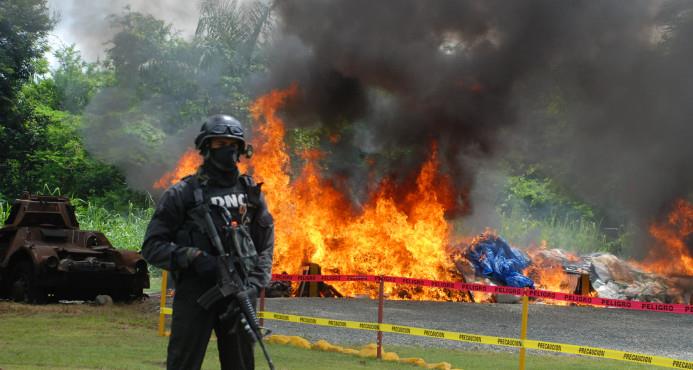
x: 172, y: 238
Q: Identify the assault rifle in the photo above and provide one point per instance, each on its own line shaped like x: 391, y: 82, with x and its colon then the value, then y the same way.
x: 230, y: 286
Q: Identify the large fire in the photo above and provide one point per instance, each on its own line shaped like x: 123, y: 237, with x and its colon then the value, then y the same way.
x: 672, y: 254
x: 401, y: 230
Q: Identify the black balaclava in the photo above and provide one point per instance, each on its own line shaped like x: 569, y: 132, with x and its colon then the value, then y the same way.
x: 220, y: 165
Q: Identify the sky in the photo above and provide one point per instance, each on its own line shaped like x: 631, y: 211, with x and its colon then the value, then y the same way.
x: 85, y: 23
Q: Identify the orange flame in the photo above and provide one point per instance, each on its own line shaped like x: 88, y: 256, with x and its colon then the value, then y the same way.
x: 548, y: 273
x: 186, y: 165
x: 671, y: 255
x: 398, y: 232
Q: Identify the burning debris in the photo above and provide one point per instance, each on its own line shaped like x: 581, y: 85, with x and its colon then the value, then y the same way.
x: 614, y: 278
x: 494, y: 259
x: 402, y: 230
x: 600, y: 274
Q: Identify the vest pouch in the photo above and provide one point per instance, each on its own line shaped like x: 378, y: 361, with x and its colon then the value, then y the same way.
x: 247, y: 248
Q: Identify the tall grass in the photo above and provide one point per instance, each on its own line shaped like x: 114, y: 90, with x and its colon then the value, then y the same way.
x: 4, y: 211
x: 576, y: 235
x: 124, y: 230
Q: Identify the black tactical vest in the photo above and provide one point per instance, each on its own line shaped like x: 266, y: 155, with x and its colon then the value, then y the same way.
x: 233, y: 209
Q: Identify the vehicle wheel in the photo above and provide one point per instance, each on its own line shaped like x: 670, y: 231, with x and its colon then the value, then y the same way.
x: 24, y: 288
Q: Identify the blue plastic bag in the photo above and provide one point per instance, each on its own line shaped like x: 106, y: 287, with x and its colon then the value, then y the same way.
x: 493, y: 258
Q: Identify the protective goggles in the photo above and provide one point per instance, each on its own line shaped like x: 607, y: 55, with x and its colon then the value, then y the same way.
x: 221, y: 129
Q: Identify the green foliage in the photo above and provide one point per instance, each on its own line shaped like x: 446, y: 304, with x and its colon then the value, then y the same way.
x: 542, y: 198
x: 163, y: 85
x: 76, y: 81
x: 59, y: 129
x: 24, y: 25
x: 4, y: 210
x: 43, y: 146
x: 533, y: 209
x: 210, y: 71
x: 304, y: 138
x: 59, y: 159
x: 577, y: 235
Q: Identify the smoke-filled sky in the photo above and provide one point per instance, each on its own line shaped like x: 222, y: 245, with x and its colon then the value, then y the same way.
x: 85, y: 23
x: 599, y: 91
x: 482, y: 78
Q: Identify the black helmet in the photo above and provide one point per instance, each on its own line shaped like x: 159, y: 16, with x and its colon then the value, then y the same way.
x: 220, y: 125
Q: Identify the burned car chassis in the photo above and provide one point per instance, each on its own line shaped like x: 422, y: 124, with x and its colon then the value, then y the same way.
x: 44, y: 256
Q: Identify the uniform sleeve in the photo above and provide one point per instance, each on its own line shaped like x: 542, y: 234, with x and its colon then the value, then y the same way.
x: 159, y: 247
x: 262, y: 232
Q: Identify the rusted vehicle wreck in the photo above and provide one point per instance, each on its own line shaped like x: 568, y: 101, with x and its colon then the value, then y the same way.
x: 44, y: 256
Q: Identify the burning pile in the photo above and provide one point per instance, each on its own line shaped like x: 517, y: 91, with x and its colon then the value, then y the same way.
x: 401, y: 229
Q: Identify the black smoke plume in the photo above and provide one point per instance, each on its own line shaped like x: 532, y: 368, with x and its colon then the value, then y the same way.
x: 478, y: 77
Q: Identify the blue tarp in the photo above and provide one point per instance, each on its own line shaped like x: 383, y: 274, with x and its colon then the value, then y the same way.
x: 493, y: 258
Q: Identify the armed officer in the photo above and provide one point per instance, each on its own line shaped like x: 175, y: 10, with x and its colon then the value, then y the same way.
x: 176, y: 241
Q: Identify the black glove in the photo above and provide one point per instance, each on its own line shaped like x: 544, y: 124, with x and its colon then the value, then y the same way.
x: 206, y: 266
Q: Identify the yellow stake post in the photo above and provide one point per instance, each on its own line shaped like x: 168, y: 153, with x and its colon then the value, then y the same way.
x: 523, y: 329
x: 162, y: 304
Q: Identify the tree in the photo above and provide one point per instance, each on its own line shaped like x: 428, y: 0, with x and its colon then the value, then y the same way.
x: 76, y: 81
x: 24, y: 25
x: 227, y: 38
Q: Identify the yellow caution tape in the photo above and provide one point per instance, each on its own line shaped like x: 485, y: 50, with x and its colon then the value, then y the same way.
x: 609, y: 353
x: 485, y: 339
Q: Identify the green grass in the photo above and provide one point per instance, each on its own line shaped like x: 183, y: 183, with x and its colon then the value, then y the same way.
x: 124, y: 337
